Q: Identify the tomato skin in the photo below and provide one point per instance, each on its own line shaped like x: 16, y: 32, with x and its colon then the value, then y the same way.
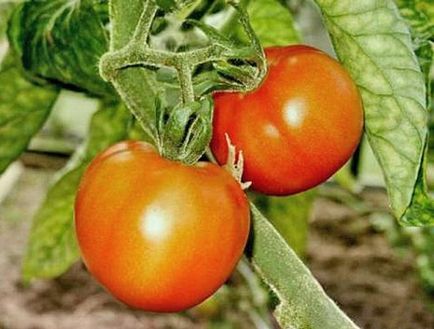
x: 159, y: 235
x: 298, y: 128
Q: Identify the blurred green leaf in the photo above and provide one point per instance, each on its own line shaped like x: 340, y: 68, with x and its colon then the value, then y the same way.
x: 62, y: 41
x: 420, y: 16
x: 24, y: 107
x: 5, y: 11
x: 290, y: 216
x: 346, y: 179
x: 273, y: 23
x: 423, y: 242
x: 374, y: 43
x: 176, y: 5
x: 303, y: 303
x: 52, y: 246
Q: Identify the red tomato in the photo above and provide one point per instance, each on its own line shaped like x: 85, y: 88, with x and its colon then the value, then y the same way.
x: 159, y: 235
x: 298, y: 128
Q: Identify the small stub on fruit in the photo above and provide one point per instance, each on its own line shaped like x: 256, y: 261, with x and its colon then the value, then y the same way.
x: 235, y: 164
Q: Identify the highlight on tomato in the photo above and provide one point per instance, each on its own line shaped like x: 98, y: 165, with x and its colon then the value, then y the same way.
x: 298, y: 128
x: 159, y: 235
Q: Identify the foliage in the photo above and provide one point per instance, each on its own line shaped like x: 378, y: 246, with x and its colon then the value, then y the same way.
x: 42, y: 30
x: 24, y: 107
x: 420, y: 17
x: 392, y: 87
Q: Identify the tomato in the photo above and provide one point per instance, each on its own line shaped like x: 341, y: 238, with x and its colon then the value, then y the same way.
x: 298, y: 128
x: 159, y: 235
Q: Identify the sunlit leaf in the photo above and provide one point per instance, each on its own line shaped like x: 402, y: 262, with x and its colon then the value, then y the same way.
x: 374, y: 43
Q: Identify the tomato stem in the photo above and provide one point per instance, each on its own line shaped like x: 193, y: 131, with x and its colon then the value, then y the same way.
x: 141, y: 34
x: 235, y: 67
x: 185, y: 80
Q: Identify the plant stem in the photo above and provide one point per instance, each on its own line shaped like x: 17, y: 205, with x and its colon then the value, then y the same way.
x: 141, y: 34
x: 185, y: 80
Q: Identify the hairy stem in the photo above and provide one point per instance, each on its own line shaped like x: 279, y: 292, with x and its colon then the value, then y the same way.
x: 185, y: 80
x: 141, y: 34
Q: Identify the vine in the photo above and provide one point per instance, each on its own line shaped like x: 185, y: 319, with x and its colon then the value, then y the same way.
x: 235, y: 67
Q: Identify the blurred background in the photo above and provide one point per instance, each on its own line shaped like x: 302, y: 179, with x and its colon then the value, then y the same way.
x: 379, y: 273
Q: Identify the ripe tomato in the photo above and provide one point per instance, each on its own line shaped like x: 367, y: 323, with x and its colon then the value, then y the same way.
x: 159, y: 235
x: 298, y: 128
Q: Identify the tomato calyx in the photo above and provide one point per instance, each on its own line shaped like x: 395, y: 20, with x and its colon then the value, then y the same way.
x: 235, y: 164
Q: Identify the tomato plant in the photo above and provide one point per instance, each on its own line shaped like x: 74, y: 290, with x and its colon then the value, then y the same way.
x: 298, y: 128
x: 159, y: 235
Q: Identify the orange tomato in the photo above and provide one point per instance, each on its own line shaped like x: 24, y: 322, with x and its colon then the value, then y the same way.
x: 298, y: 128
x: 159, y: 235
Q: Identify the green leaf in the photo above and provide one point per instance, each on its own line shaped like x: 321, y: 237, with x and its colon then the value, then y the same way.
x: 24, y: 107
x: 273, y: 23
x: 177, y: 5
x: 5, y: 11
x: 303, y: 303
x: 373, y: 42
x: 166, y: 4
x: 420, y: 16
x: 62, y: 40
x: 289, y: 215
x: 421, y: 209
x: 52, y: 246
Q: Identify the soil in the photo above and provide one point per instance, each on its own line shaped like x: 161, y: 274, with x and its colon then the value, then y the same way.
x: 354, y: 263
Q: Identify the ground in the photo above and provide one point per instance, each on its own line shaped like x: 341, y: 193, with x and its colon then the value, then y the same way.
x: 354, y: 263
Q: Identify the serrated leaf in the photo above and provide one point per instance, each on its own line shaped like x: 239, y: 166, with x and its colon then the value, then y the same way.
x: 373, y: 42
x: 62, y: 40
x: 52, y: 246
x: 24, y: 107
x: 303, y: 303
